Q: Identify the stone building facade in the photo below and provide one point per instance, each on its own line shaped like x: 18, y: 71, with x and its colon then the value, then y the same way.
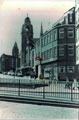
x: 9, y: 62
x: 77, y: 35
x: 57, y: 48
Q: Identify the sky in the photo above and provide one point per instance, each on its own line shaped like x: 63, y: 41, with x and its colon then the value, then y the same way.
x: 13, y: 13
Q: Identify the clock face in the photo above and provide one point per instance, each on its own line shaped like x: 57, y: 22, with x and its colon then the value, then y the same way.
x: 26, y: 29
x: 27, y: 41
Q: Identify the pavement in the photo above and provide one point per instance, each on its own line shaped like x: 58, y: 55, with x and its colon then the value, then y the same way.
x: 20, y: 111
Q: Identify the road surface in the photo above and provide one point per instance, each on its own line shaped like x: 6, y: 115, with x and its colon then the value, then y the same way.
x: 9, y: 110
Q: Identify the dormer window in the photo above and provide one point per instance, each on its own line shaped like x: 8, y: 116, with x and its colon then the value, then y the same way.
x: 71, y: 17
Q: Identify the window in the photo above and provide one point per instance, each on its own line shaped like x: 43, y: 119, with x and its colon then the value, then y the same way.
x: 70, y: 69
x: 48, y: 39
x: 44, y: 55
x: 77, y: 53
x: 61, y: 69
x: 51, y: 53
x: 54, y: 52
x: 70, y: 50
x: 70, y: 33
x: 71, y: 17
x: 61, y: 50
x: 50, y: 36
x: 48, y: 54
x: 44, y: 41
x: 61, y: 33
x: 77, y: 35
x: 66, y: 19
x: 55, y: 35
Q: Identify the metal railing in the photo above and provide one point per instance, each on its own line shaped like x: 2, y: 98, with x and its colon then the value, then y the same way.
x: 39, y: 88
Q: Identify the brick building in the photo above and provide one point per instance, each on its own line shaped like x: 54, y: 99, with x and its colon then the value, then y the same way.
x: 57, y: 48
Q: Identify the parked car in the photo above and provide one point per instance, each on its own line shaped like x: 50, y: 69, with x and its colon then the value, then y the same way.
x: 19, y: 74
x: 4, y: 73
x: 12, y: 73
x: 9, y: 73
x: 32, y: 74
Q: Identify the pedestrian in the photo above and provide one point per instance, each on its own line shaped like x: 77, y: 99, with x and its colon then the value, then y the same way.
x: 55, y: 80
x: 75, y: 84
x: 58, y: 78
x: 67, y: 85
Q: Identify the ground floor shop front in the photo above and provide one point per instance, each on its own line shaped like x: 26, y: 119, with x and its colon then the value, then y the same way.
x: 59, y: 70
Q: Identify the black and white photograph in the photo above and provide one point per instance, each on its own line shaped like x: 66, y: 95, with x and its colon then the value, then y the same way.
x: 39, y: 59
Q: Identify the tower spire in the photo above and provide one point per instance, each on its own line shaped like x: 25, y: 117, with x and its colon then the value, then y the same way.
x: 27, y: 14
x: 41, y: 31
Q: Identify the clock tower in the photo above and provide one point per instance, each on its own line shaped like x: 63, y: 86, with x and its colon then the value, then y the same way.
x: 27, y: 41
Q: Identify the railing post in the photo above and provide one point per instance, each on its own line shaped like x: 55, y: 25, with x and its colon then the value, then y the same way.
x: 19, y: 88
x: 71, y: 93
x: 43, y: 90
